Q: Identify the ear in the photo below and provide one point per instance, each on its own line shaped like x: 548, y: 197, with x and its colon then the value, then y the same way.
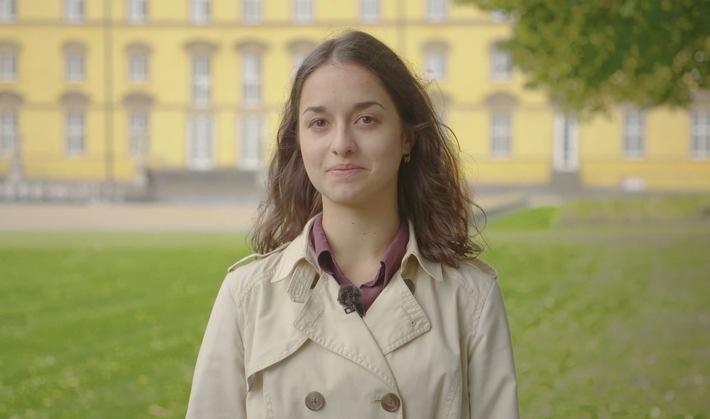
x: 407, y: 140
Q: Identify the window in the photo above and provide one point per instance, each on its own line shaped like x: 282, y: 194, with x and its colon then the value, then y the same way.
x: 633, y: 135
x: 8, y: 65
x: 138, y: 67
x: 200, y: 11
x: 369, y: 10
x: 200, y: 147
x: 74, y: 66
x: 138, y: 132
x: 137, y: 11
x: 74, y: 11
x: 200, y: 80
x: 299, y: 49
x: 251, y: 11
x: 250, y: 141
x: 8, y: 132
x: 436, y: 10
x: 500, y: 134
x: 700, y: 134
x: 498, y: 15
x: 251, y: 81
x: 435, y: 64
x: 500, y: 64
x: 74, y: 133
x: 303, y: 11
x: 7, y: 11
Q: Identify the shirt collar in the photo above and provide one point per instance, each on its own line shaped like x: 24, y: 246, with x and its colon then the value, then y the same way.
x: 391, y: 261
x: 298, y: 252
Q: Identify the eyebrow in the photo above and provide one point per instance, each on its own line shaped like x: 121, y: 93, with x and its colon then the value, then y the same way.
x: 358, y: 106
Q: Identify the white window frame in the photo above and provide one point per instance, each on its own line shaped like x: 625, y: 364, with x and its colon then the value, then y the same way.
x: 435, y: 64
x: 201, y: 142
x: 7, y: 11
x: 74, y: 66
x: 251, y: 11
x: 700, y: 134
x: 501, y: 64
x: 8, y: 132
x: 74, y: 11
x: 436, y: 10
x: 633, y: 136
x: 201, y: 80
x: 137, y: 11
x: 303, y: 11
x: 138, y: 129
x: 200, y: 11
x: 8, y: 65
x: 501, y: 134
x: 297, y: 58
x: 74, y: 133
x: 138, y: 67
x: 370, y: 11
x: 251, y: 78
x: 565, y: 158
x: 251, y: 132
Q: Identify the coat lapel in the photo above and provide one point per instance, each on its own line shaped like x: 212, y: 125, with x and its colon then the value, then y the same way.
x: 396, y: 318
x: 325, y: 322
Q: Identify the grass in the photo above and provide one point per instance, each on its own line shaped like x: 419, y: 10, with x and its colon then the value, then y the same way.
x: 609, y: 320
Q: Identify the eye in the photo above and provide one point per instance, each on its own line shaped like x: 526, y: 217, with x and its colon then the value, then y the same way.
x: 318, y: 123
x: 367, y: 120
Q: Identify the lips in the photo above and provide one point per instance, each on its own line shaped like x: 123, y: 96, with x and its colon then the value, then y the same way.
x: 345, y: 169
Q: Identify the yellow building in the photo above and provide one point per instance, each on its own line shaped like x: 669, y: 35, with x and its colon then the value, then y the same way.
x: 99, y: 90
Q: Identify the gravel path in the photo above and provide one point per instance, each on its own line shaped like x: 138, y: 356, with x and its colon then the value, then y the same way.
x: 156, y: 216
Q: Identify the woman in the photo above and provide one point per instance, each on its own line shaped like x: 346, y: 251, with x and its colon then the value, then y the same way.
x: 366, y: 299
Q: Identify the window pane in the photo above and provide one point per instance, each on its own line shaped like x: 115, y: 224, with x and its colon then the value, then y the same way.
x: 633, y: 133
x: 8, y: 66
x: 302, y: 10
x: 74, y: 133
x: 500, y: 134
x: 138, y: 67
x: 74, y: 70
x: 370, y: 10
x: 500, y: 65
x: 251, y: 72
x: 201, y: 80
x: 138, y: 130
x: 7, y: 10
x: 435, y: 65
x: 700, y: 134
x: 250, y: 142
x: 8, y: 132
x: 251, y: 11
x: 200, y: 11
x: 436, y: 10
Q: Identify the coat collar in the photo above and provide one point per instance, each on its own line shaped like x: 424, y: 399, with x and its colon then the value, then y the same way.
x: 298, y: 263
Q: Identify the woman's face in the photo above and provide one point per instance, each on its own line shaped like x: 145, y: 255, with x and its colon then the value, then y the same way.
x: 351, y: 136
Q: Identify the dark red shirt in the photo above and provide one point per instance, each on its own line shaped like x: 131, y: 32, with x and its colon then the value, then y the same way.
x: 389, y: 264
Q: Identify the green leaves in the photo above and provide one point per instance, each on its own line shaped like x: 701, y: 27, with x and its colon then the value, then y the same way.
x: 590, y: 54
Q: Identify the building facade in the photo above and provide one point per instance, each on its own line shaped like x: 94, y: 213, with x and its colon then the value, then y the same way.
x: 103, y: 90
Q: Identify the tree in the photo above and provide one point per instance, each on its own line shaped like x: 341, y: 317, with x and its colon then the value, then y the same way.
x: 589, y: 54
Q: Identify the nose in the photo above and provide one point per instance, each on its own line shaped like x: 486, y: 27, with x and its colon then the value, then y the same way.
x: 343, y: 142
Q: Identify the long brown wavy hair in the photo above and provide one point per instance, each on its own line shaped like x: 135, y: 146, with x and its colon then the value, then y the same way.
x: 432, y: 192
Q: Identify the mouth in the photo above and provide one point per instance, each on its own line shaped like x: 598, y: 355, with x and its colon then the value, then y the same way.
x: 345, y: 169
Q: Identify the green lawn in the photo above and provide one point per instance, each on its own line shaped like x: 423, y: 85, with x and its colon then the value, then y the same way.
x: 609, y: 318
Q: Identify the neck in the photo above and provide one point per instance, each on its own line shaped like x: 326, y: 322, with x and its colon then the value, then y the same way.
x: 359, y: 238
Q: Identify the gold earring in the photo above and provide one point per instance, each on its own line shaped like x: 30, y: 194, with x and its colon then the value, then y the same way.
x: 407, y: 158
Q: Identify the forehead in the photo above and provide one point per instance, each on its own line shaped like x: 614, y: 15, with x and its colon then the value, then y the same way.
x: 336, y: 83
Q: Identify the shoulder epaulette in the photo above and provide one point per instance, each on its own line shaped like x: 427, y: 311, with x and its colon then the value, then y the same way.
x: 255, y: 256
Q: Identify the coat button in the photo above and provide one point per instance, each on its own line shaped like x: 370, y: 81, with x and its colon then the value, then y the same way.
x: 314, y: 400
x: 390, y: 402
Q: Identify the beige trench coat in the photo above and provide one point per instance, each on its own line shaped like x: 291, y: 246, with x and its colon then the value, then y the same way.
x: 434, y: 344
